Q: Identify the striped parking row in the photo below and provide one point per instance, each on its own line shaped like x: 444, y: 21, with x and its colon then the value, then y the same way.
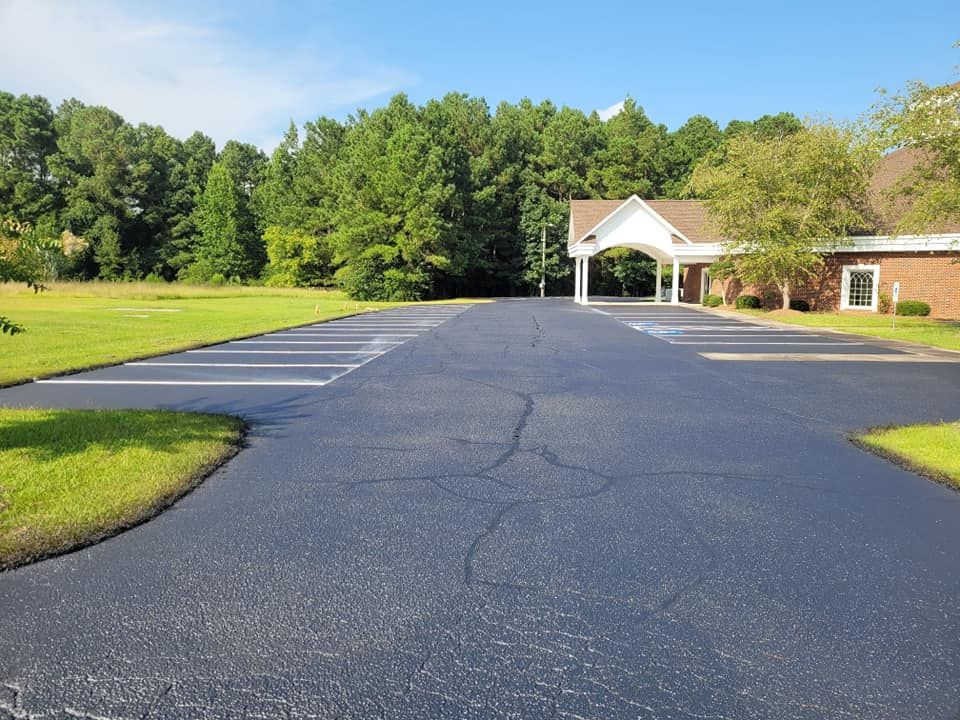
x: 719, y: 337
x: 309, y: 356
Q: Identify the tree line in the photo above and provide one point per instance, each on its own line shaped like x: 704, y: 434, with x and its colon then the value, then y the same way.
x: 404, y: 202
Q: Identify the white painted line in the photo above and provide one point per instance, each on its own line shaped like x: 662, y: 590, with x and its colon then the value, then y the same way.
x: 388, y: 326
x: 318, y: 342
x: 827, y: 357
x: 748, y: 342
x: 728, y: 335
x: 125, y: 309
x: 663, y: 328
x: 292, y: 352
x: 383, y: 326
x: 226, y: 383
x: 345, y: 334
x: 246, y: 365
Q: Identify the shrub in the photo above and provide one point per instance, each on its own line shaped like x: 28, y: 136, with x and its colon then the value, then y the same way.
x: 378, y: 273
x: 801, y: 305
x: 217, y: 279
x: 883, y: 303
x: 913, y: 307
x: 712, y: 300
x: 748, y: 301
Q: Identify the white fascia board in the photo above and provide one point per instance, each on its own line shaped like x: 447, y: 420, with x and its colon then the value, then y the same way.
x: 698, y: 252
x: 581, y: 250
x: 899, y: 243
x: 886, y: 243
x: 656, y: 216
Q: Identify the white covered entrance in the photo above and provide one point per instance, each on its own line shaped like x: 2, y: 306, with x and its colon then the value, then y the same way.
x: 637, y: 225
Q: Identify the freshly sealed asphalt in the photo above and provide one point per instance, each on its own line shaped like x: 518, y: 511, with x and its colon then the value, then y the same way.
x: 529, y: 510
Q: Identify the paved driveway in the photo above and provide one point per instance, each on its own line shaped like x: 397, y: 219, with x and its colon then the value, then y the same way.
x: 529, y: 510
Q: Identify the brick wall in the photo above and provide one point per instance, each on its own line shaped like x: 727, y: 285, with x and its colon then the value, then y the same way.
x: 691, y: 283
x: 933, y: 277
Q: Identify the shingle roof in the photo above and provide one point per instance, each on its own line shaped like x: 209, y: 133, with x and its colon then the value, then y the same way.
x: 687, y: 216
x: 891, y: 169
x: 585, y: 214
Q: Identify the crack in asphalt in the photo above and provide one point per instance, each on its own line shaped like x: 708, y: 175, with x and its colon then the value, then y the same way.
x: 516, y: 636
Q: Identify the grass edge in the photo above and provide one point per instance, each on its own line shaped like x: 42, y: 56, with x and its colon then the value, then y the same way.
x: 155, y: 508
x: 857, y: 438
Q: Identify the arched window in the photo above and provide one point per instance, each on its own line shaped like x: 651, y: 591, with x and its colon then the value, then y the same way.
x: 859, y: 287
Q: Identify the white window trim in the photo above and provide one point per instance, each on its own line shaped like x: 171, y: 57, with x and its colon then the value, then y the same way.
x: 845, y: 287
x: 704, y: 283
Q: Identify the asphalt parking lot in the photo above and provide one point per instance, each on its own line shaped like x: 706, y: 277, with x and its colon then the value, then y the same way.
x: 528, y: 510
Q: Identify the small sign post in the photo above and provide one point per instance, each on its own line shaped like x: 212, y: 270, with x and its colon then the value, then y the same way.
x: 896, y: 298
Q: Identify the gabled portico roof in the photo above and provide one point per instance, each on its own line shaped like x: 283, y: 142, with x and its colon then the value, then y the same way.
x: 685, y: 220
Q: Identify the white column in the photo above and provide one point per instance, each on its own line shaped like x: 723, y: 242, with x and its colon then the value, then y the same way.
x: 585, y: 297
x: 659, y: 281
x: 675, y: 288
x: 576, y: 280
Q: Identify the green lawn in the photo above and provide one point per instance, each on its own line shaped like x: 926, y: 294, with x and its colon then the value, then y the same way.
x: 71, y: 477
x: 73, y: 326
x: 932, y: 450
x: 938, y: 333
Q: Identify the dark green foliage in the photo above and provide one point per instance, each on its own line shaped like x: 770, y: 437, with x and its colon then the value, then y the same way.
x: 379, y: 273
x: 748, y: 301
x: 9, y: 327
x: 712, y: 300
x: 913, y: 307
x: 404, y: 202
x: 798, y: 304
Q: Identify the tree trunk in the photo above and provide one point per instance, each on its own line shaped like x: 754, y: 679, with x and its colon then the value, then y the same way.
x: 785, y: 290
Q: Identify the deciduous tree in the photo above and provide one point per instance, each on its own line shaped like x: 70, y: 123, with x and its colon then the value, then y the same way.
x: 781, y: 202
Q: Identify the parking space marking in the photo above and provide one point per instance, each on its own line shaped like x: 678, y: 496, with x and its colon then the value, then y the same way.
x: 246, y: 365
x: 696, y: 329
x: 369, y: 336
x: 291, y: 352
x: 363, y: 343
x: 750, y: 342
x: 829, y: 357
x: 296, y: 383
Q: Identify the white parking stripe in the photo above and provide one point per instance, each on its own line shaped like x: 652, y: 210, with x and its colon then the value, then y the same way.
x: 247, y: 365
x: 383, y: 326
x: 346, y: 334
x: 318, y: 342
x: 750, y: 342
x: 291, y: 352
x: 247, y: 383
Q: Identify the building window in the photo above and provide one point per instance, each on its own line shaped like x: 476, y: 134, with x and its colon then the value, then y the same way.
x: 860, y: 287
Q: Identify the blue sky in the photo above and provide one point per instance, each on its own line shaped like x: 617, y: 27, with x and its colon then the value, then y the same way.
x: 244, y: 69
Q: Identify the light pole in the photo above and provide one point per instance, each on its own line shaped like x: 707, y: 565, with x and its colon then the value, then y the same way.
x: 543, y: 260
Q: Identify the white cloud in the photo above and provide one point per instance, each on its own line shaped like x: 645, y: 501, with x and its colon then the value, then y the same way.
x: 611, y: 111
x: 183, y: 77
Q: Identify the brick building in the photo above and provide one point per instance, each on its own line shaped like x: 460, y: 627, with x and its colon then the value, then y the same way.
x: 855, y: 276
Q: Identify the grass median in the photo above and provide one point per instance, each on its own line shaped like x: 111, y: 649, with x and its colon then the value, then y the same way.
x: 71, y: 477
x: 74, y: 326
x: 925, y: 331
x: 932, y: 450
